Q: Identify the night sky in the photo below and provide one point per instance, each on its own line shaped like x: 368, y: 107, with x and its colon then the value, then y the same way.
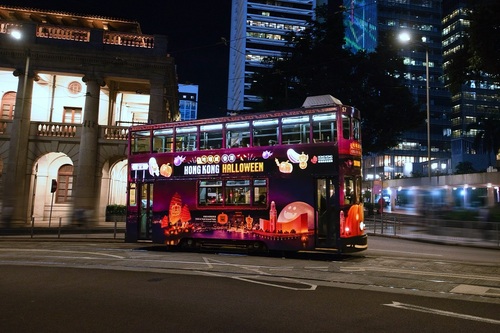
x: 194, y: 29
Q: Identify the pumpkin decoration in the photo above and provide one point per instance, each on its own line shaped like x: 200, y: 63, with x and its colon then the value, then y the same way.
x: 222, y: 218
x: 166, y: 170
x: 284, y: 167
x: 354, y: 216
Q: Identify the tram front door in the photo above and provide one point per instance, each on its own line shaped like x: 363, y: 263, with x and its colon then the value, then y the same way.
x: 327, y: 220
x: 145, y: 211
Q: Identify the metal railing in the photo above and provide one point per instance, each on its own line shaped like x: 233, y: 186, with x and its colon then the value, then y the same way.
x: 481, y: 233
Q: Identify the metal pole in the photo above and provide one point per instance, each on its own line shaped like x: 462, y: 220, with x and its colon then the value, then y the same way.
x: 428, y: 114
x: 51, y: 205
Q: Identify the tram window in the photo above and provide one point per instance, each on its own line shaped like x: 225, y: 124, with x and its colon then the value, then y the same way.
x: 356, y: 129
x: 140, y: 142
x: 295, y: 130
x: 186, y: 138
x: 265, y: 132
x: 346, y: 127
x: 324, y: 128
x: 238, y: 134
x: 211, y: 136
x: 132, y: 200
x: 163, y: 140
x: 260, y: 192
x: 238, y: 192
x: 210, y: 193
x: 349, y: 191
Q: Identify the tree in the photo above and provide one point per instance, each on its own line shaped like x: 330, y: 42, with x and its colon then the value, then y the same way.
x: 480, y: 53
x: 464, y: 168
x: 485, y: 36
x: 487, y: 137
x: 319, y: 65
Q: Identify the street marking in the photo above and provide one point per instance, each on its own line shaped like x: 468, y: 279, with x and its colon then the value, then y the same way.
x: 406, y: 252
x: 256, y: 269
x: 352, y: 269
x: 318, y: 268
x: 207, y: 261
x: 441, y: 312
x: 63, y: 251
x: 312, y: 287
x: 476, y: 290
x: 407, y: 271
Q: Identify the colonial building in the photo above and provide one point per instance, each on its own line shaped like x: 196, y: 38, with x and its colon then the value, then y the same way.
x: 70, y: 87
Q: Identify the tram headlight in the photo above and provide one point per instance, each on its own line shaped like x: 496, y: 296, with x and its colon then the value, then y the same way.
x: 361, y: 225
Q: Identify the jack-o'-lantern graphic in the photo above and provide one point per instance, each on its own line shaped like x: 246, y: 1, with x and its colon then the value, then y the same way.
x: 222, y: 218
x: 285, y: 166
x: 166, y: 170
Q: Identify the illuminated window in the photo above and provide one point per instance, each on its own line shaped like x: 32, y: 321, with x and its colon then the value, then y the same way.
x: 8, y: 105
x: 72, y: 115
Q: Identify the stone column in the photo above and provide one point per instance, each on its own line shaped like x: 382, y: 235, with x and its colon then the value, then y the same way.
x: 15, y: 210
x: 157, y: 103
x: 85, y: 192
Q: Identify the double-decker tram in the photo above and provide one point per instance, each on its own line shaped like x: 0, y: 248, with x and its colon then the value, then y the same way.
x: 285, y: 180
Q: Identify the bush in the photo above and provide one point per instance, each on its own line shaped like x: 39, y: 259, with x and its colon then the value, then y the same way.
x: 116, y: 210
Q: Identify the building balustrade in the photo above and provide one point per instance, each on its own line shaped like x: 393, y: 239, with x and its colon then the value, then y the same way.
x: 64, y: 130
x: 54, y: 32
x: 56, y: 130
x: 78, y: 34
x: 133, y: 40
x: 114, y: 132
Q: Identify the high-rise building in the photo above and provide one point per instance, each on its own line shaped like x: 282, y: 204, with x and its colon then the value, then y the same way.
x: 475, y: 99
x: 258, y: 28
x: 188, y: 101
x: 360, y: 21
x: 422, y: 20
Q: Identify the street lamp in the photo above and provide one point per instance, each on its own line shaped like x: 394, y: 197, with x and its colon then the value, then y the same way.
x: 14, y: 185
x: 16, y: 34
x: 405, y: 37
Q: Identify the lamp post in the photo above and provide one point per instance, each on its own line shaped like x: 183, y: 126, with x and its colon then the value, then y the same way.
x: 406, y: 38
x: 16, y: 34
x: 14, y: 184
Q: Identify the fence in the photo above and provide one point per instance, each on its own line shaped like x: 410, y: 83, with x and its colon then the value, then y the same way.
x: 63, y: 228
x: 481, y: 233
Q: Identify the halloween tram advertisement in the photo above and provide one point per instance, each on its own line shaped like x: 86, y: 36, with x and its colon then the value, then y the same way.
x: 291, y: 198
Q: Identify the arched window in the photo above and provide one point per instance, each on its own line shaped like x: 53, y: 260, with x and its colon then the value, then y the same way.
x: 8, y: 105
x: 64, y: 193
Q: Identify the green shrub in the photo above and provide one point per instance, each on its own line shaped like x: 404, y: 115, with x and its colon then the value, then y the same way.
x: 116, y: 209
